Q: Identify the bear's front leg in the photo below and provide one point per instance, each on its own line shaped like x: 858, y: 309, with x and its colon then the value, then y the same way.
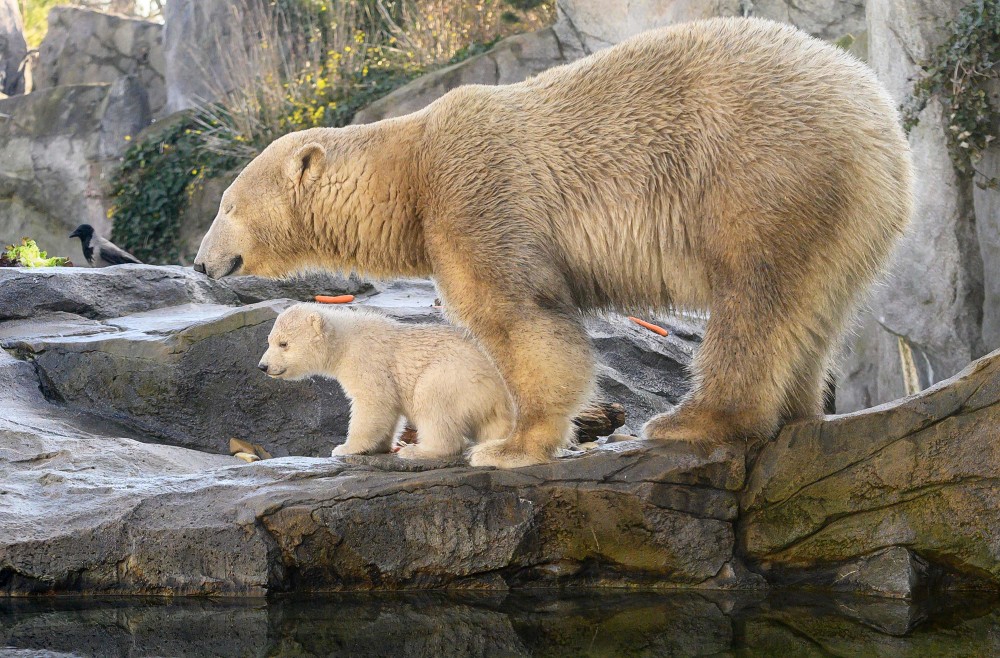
x: 371, y: 429
x: 545, y: 359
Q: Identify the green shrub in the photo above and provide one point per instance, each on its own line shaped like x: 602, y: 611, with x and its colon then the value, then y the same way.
x: 152, y: 187
x: 958, y: 72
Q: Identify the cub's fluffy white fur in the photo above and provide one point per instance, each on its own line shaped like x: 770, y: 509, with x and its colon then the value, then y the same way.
x: 433, y: 375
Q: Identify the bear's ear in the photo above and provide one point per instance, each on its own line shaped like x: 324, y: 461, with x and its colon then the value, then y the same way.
x: 316, y: 322
x: 307, y: 163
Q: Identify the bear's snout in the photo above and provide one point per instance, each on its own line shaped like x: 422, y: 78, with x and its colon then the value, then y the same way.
x: 199, y: 267
x: 262, y: 366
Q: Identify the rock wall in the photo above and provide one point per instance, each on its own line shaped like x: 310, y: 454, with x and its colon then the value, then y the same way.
x: 206, y: 42
x: 826, y: 19
x: 512, y: 60
x: 929, y: 318
x: 57, y: 146
x: 12, y: 48
x: 85, y: 47
x: 986, y: 204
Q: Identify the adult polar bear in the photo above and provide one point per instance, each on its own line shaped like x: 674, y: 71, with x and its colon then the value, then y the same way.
x: 736, y: 165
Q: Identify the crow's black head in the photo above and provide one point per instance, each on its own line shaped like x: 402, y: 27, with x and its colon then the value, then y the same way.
x: 84, y: 231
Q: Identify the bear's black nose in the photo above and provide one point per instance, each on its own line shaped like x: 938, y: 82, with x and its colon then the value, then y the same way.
x: 199, y: 267
x: 262, y: 366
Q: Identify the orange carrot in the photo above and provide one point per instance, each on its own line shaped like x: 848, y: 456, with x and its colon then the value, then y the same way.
x: 339, y: 299
x: 647, y: 325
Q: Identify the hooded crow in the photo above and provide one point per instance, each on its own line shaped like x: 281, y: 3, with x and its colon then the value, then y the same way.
x: 100, y: 252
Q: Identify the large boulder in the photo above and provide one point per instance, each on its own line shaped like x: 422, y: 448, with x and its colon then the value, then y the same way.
x: 185, y: 375
x: 172, y: 353
x: 110, y: 364
x: 926, y: 322
x: 83, y: 46
x: 919, y: 476
x: 12, y: 48
x: 57, y: 147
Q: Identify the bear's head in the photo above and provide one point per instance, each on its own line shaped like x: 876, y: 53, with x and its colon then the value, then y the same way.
x: 297, y: 346
x: 264, y: 224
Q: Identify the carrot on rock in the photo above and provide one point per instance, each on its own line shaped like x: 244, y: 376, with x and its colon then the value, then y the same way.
x: 652, y: 327
x: 338, y: 299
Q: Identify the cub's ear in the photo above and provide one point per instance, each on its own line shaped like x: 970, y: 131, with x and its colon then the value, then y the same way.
x: 316, y: 322
x: 307, y: 163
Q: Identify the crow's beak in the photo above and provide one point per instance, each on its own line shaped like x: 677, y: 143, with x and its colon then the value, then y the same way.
x: 75, y: 234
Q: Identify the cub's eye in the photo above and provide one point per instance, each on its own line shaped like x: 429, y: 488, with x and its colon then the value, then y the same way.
x: 229, y: 208
x: 283, y: 345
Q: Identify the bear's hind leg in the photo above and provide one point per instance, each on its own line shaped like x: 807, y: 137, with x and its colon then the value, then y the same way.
x: 437, y: 438
x: 806, y: 393
x: 741, y: 374
x: 525, y: 319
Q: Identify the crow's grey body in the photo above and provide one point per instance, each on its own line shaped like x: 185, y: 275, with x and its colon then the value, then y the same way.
x: 100, y: 252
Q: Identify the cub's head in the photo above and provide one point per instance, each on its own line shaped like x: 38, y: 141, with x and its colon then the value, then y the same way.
x: 297, y: 346
x: 264, y: 225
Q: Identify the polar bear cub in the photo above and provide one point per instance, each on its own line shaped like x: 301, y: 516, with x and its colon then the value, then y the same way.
x: 433, y: 375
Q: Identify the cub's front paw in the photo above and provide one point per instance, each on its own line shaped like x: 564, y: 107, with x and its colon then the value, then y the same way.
x: 342, y: 449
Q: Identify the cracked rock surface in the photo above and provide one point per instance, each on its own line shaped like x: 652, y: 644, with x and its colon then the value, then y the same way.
x: 920, y: 473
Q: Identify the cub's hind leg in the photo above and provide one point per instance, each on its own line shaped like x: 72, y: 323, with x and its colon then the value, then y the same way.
x: 438, y: 437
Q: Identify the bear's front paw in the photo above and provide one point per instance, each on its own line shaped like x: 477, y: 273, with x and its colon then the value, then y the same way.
x: 342, y: 449
x: 501, y: 455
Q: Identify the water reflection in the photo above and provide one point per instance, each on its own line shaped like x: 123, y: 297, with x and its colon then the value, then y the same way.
x: 522, y: 624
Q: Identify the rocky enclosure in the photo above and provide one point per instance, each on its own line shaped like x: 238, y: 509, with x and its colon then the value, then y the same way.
x: 106, y: 374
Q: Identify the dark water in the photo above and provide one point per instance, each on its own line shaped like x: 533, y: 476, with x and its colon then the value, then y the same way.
x: 523, y: 624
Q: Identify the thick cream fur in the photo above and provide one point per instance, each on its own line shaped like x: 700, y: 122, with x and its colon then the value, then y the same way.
x: 434, y: 376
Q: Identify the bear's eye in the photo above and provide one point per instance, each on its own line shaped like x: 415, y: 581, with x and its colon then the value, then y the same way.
x: 283, y: 344
x: 229, y: 208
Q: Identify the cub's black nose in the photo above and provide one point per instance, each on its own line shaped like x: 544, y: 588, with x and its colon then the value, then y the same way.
x: 262, y: 366
x: 199, y: 267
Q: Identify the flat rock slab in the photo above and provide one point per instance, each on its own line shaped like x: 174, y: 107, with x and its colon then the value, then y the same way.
x: 112, y: 292
x: 94, y: 516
